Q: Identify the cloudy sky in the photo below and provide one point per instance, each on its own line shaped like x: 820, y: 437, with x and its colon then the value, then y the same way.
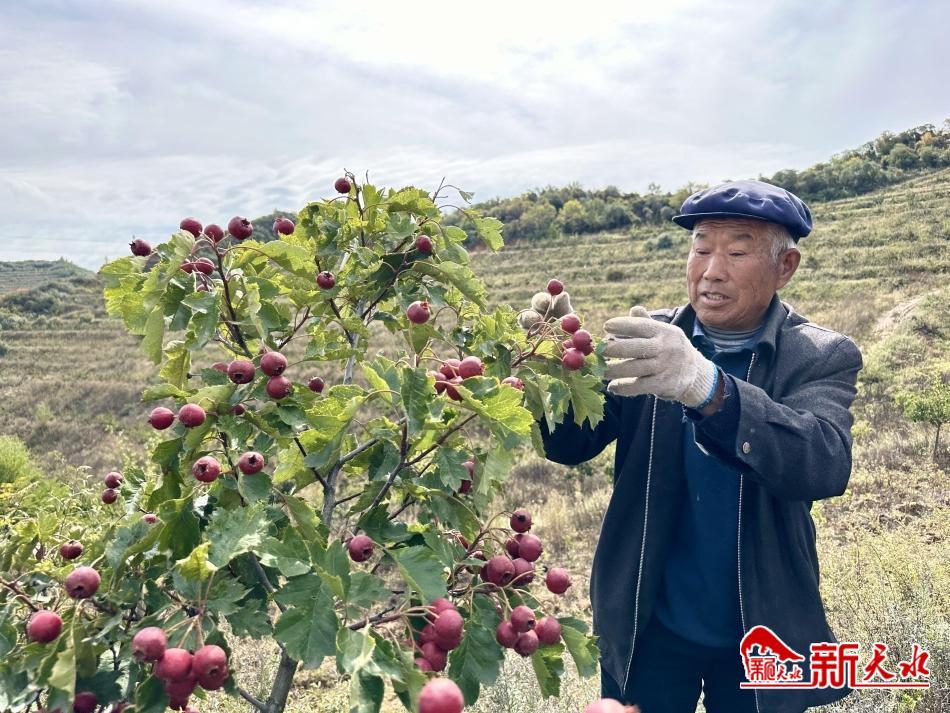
x: 119, y: 117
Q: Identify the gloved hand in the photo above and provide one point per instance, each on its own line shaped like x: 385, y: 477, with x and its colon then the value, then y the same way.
x: 545, y: 307
x: 656, y: 358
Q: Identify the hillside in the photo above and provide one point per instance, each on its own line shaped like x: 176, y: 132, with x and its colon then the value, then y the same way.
x: 876, y: 267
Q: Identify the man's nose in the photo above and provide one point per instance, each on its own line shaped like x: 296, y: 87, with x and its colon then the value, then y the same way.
x: 715, y: 268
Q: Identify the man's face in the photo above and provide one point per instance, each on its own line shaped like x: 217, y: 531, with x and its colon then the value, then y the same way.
x: 729, y: 274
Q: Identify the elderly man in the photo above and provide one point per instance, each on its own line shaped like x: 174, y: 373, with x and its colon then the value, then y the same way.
x: 731, y: 416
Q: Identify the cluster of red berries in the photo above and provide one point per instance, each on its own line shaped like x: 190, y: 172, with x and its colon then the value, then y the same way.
x: 442, y: 633
x: 178, y: 669
x: 207, y: 468
x: 113, y: 481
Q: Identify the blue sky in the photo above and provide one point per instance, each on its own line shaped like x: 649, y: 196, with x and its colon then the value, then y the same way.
x: 119, y: 118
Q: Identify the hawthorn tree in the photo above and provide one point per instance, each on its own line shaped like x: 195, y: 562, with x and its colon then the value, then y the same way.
x: 308, y: 488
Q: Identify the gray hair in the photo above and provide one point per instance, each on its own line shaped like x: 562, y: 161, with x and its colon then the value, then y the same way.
x: 780, y: 240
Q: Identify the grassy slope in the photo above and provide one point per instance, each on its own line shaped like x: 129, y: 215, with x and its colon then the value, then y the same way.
x: 871, y: 269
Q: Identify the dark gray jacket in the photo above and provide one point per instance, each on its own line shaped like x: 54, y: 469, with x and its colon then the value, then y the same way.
x: 792, y: 446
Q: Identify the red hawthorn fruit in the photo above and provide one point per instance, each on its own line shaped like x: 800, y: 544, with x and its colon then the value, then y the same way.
x: 512, y: 548
x: 279, y: 387
x: 220, y: 366
x: 161, y: 418
x: 465, y: 487
x: 427, y: 634
x: 506, y: 635
x: 341, y: 185
x: 500, y: 570
x: 450, y: 368
x: 441, y: 695
x: 423, y: 664
x: 44, y: 626
x: 215, y: 232
x: 524, y: 572
x: 470, y: 466
x: 439, y: 380
x: 435, y: 655
x: 240, y: 228
x: 520, y: 520
x: 570, y: 323
x: 150, y: 518
x: 70, y: 550
x: 210, y: 666
x: 548, y: 630
x: 529, y: 547
x: 82, y: 582
x: 418, y: 312
x: 316, y: 385
x: 149, y: 644
x: 191, y: 225
x: 241, y: 371
x: 188, y: 267
x: 573, y: 359
x: 140, y: 248
x: 251, y: 462
x: 514, y: 382
x: 85, y: 702
x: 326, y: 280
x: 273, y: 363
x: 449, y: 624
x: 522, y: 619
x: 424, y: 244
x: 471, y: 366
x: 283, y: 226
x: 174, y: 666
x: 440, y: 605
x: 113, y: 479
x: 206, y: 469
x: 191, y: 415
x: 557, y: 580
x: 555, y: 287
x: 109, y: 496
x: 360, y: 548
x: 527, y: 643
x: 238, y: 409
x: 582, y: 341
x: 450, y: 388
x: 203, y: 265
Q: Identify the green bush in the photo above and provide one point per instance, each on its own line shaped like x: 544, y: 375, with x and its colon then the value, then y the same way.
x: 15, y: 459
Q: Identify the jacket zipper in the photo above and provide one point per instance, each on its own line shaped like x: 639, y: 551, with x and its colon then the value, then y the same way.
x: 755, y: 692
x: 643, y: 544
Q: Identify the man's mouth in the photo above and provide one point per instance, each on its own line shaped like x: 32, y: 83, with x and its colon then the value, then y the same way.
x: 714, y: 296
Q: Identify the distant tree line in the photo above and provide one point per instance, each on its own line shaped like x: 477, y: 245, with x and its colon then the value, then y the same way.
x: 550, y: 211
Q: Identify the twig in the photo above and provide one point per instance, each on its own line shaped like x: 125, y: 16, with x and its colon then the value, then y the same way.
x: 260, y: 705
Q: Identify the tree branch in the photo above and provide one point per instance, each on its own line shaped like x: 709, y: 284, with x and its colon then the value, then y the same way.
x: 260, y: 705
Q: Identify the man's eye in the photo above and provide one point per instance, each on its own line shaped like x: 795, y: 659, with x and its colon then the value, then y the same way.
x: 736, y: 254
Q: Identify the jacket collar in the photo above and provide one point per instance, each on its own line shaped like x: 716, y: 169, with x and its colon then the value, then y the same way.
x: 775, y: 315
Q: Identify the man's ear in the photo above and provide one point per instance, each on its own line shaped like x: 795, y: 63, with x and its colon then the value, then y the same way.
x: 787, y: 265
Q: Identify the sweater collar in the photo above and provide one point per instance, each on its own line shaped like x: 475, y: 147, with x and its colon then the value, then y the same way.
x: 775, y: 315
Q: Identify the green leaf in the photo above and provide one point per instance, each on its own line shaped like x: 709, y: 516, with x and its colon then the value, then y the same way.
x: 289, y: 554
x: 334, y: 569
x: 354, y: 650
x: 479, y: 658
x: 583, y: 648
x: 489, y: 230
x: 234, y: 532
x: 366, y: 693
x: 63, y: 674
x: 366, y: 589
x: 309, y: 626
x: 548, y: 667
x: 154, y: 334
x: 177, y: 363
x: 449, y: 468
x: 416, y: 394
x: 162, y: 391
x: 180, y: 534
x: 421, y: 570
x: 204, y: 316
x: 255, y: 487
x: 587, y: 398
x: 306, y: 520
x: 459, y: 276
x: 150, y: 696
x: 196, y: 566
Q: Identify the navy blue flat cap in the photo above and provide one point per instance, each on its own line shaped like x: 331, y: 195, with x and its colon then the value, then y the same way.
x: 747, y: 199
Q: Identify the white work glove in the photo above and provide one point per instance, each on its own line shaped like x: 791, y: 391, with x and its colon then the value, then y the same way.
x: 654, y: 357
x: 545, y: 307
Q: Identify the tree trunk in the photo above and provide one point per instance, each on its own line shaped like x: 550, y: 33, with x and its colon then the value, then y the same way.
x: 282, y: 683
x: 936, y: 443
